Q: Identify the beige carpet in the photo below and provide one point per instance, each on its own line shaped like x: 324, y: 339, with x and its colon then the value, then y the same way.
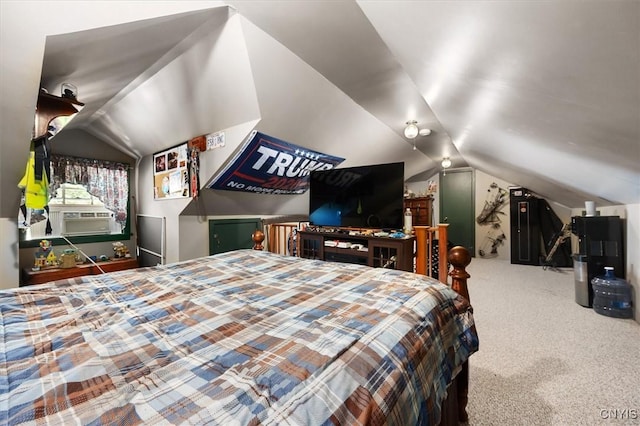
x: 544, y: 359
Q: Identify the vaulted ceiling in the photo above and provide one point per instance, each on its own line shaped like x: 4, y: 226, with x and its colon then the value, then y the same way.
x: 541, y: 94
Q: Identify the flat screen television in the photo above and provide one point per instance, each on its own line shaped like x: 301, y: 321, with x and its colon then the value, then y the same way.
x: 358, y: 197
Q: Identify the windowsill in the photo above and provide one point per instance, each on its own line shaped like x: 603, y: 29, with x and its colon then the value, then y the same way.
x: 83, y: 239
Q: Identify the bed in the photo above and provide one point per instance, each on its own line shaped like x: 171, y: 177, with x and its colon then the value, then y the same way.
x: 241, y: 338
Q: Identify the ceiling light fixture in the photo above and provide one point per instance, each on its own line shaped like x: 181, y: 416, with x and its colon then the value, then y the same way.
x: 411, y: 131
x: 446, y: 163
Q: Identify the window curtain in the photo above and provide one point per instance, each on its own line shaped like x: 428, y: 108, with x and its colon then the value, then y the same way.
x: 107, y: 180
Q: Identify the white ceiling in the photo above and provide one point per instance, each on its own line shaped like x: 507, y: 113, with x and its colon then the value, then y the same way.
x: 543, y: 94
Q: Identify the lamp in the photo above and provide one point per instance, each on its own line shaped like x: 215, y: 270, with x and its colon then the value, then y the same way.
x: 446, y: 163
x: 411, y: 131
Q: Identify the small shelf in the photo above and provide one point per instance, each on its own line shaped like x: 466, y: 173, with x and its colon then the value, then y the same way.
x: 45, y: 275
x: 50, y: 107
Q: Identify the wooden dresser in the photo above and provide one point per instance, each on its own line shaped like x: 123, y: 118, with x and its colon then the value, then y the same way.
x: 421, y: 210
x: 30, y: 277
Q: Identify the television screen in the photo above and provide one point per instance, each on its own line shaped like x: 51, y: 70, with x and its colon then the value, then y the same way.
x: 358, y: 197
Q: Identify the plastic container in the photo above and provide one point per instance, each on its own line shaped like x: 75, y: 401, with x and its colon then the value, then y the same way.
x: 611, y: 295
x: 408, y: 221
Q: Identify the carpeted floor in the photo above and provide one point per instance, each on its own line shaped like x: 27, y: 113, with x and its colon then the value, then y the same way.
x: 544, y: 359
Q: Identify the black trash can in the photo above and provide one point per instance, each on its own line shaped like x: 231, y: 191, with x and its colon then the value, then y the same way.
x: 581, y: 280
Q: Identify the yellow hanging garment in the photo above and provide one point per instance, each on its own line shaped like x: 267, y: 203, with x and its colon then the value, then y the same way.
x: 35, y: 191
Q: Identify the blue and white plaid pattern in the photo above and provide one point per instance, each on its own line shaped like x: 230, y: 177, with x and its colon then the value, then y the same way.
x: 244, y: 337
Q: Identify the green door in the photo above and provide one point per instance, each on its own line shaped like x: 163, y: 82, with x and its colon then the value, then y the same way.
x: 231, y: 234
x: 457, y: 207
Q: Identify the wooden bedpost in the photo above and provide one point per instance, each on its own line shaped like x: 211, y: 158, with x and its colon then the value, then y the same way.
x: 443, y: 243
x: 460, y: 258
x: 258, y: 238
x: 424, y: 244
x: 421, y: 249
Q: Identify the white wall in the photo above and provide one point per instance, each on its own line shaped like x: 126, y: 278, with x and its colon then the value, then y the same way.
x: 9, y: 270
x: 632, y: 239
x: 485, y: 233
x: 169, y: 209
x: 301, y: 106
x: 192, y: 236
x: 197, y: 244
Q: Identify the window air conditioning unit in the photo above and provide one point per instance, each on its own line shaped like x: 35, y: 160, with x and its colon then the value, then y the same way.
x: 86, y: 223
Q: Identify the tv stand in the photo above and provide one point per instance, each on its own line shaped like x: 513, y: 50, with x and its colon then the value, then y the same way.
x: 341, y: 246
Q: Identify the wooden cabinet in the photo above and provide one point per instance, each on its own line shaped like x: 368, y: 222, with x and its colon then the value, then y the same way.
x: 379, y: 252
x: 30, y: 277
x: 421, y: 210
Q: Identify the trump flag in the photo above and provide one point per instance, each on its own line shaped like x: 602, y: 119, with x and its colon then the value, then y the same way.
x: 268, y: 165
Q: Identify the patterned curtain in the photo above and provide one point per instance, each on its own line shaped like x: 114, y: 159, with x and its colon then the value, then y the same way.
x: 107, y: 180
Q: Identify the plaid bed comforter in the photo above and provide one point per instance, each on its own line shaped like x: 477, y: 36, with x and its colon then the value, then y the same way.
x: 244, y: 337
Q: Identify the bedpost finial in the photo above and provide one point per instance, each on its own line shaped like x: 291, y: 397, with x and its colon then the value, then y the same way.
x: 460, y: 258
x: 258, y: 238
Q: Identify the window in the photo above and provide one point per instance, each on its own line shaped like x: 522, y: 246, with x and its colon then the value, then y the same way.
x: 88, y: 200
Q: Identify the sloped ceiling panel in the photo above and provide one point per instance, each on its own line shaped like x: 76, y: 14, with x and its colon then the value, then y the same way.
x: 545, y: 94
x: 301, y: 106
x: 339, y: 42
x: 541, y: 94
x: 108, y: 63
x: 206, y: 88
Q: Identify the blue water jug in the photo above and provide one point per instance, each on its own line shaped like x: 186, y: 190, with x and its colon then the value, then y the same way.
x: 611, y: 295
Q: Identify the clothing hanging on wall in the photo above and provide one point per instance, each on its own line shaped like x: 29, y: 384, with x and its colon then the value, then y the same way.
x: 35, y: 182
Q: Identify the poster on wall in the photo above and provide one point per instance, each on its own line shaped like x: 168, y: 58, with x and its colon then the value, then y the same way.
x: 269, y: 165
x: 171, y: 173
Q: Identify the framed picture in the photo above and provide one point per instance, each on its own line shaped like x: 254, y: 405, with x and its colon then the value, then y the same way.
x: 171, y: 173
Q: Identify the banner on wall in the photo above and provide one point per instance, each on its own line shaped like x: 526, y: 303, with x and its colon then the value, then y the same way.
x: 269, y: 165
